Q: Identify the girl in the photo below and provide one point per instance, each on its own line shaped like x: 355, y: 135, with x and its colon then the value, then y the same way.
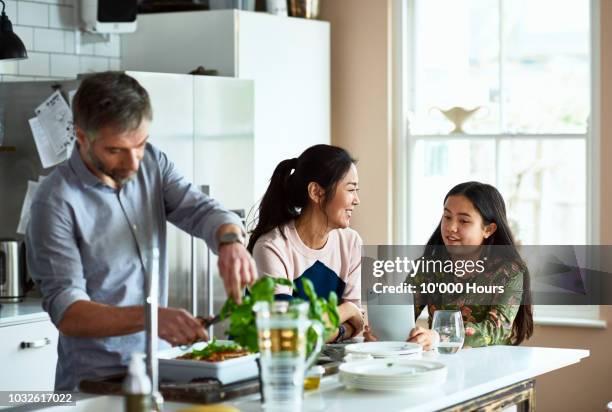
x: 303, y: 230
x: 475, y: 216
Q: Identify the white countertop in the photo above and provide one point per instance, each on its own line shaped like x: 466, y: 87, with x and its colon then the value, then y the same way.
x: 471, y: 374
x: 30, y: 310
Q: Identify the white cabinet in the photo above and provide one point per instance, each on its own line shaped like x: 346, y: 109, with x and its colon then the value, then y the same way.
x: 204, y: 124
x: 288, y: 58
x: 28, y: 356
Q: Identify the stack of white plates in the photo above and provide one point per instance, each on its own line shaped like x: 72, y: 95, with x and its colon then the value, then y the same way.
x: 379, y: 350
x: 392, y: 375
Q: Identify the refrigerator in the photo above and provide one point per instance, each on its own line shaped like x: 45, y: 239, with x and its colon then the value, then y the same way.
x: 205, y: 126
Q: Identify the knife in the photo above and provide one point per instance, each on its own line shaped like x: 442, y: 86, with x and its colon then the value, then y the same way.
x: 208, y: 322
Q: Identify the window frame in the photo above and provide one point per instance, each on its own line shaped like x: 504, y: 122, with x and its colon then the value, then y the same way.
x: 401, y: 17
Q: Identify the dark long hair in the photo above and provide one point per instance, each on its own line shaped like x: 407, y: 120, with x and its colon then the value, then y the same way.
x: 287, y: 193
x: 490, y: 204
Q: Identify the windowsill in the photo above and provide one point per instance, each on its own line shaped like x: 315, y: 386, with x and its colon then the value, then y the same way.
x: 570, y: 322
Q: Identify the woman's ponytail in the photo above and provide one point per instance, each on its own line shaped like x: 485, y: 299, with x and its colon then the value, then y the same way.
x: 276, y: 207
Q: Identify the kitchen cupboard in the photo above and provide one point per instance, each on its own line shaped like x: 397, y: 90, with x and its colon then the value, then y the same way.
x: 28, y: 355
x: 288, y: 59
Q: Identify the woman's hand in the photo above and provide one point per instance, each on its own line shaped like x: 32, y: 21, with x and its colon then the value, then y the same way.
x: 351, y: 313
x: 368, y: 336
x: 427, y: 338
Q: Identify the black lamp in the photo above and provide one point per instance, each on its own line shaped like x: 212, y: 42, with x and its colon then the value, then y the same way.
x: 11, y: 46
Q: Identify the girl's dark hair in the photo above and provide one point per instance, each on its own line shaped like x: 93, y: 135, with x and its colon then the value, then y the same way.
x: 287, y: 193
x: 490, y: 204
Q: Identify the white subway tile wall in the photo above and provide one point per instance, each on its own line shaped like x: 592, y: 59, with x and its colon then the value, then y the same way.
x: 49, y: 40
x: 61, y: 16
x: 37, y: 64
x: 63, y: 65
x: 32, y: 14
x: 26, y: 34
x: 11, y: 8
x: 93, y: 64
x: 56, y: 50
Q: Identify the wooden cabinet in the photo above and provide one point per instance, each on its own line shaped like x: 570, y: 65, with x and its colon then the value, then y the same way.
x: 28, y: 356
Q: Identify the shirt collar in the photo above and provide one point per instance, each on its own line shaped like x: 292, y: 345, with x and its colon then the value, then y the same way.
x: 81, y: 170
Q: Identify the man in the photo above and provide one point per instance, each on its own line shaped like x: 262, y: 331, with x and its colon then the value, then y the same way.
x: 95, y: 221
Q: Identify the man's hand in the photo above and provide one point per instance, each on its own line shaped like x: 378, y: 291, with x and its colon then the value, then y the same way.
x: 87, y: 319
x: 178, y: 327
x: 236, y: 268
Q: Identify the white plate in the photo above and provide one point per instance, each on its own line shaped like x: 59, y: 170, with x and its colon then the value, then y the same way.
x: 395, y: 369
x: 385, y: 387
x: 416, y: 355
x: 384, y: 349
x: 402, y: 374
x: 436, y: 378
x: 185, y: 370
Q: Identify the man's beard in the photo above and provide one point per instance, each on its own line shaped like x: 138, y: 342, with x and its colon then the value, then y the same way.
x: 97, y: 163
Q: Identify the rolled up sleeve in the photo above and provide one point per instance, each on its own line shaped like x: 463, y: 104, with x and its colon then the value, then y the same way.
x: 53, y: 258
x: 190, y: 209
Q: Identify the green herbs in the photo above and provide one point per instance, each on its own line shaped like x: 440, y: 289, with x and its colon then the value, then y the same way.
x: 216, y: 352
x: 212, y: 348
x: 243, y: 328
x: 323, y: 311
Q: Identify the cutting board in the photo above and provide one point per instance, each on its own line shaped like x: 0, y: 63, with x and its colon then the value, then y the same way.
x: 198, y: 391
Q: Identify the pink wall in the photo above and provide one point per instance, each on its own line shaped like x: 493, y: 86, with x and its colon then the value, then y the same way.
x: 360, y: 108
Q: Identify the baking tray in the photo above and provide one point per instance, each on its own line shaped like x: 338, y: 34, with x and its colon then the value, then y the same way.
x: 185, y: 370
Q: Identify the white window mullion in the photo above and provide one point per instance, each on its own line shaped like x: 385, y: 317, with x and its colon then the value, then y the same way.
x: 594, y: 131
x: 502, y: 60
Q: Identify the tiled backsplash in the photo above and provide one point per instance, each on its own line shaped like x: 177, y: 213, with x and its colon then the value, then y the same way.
x: 48, y: 29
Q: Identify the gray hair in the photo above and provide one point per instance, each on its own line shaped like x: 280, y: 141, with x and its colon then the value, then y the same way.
x: 110, y: 99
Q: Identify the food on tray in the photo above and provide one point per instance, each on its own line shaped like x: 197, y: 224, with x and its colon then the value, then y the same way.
x: 216, y: 352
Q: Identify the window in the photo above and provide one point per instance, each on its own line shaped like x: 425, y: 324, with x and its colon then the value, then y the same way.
x: 523, y: 70
x: 526, y: 72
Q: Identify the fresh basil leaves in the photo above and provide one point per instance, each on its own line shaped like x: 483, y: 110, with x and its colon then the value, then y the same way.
x: 242, y: 325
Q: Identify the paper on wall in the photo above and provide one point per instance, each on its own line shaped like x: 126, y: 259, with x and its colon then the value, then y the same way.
x: 46, y: 152
x: 71, y: 94
x: 24, y: 219
x: 55, y: 118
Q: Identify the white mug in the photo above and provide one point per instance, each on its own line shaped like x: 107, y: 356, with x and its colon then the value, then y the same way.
x: 277, y: 7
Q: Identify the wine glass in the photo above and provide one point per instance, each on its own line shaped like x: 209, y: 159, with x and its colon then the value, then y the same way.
x: 449, y: 325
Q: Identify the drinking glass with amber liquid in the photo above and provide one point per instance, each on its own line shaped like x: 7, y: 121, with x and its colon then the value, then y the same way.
x: 282, y: 329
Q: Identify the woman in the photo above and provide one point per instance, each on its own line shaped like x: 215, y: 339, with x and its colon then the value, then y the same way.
x: 303, y: 230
